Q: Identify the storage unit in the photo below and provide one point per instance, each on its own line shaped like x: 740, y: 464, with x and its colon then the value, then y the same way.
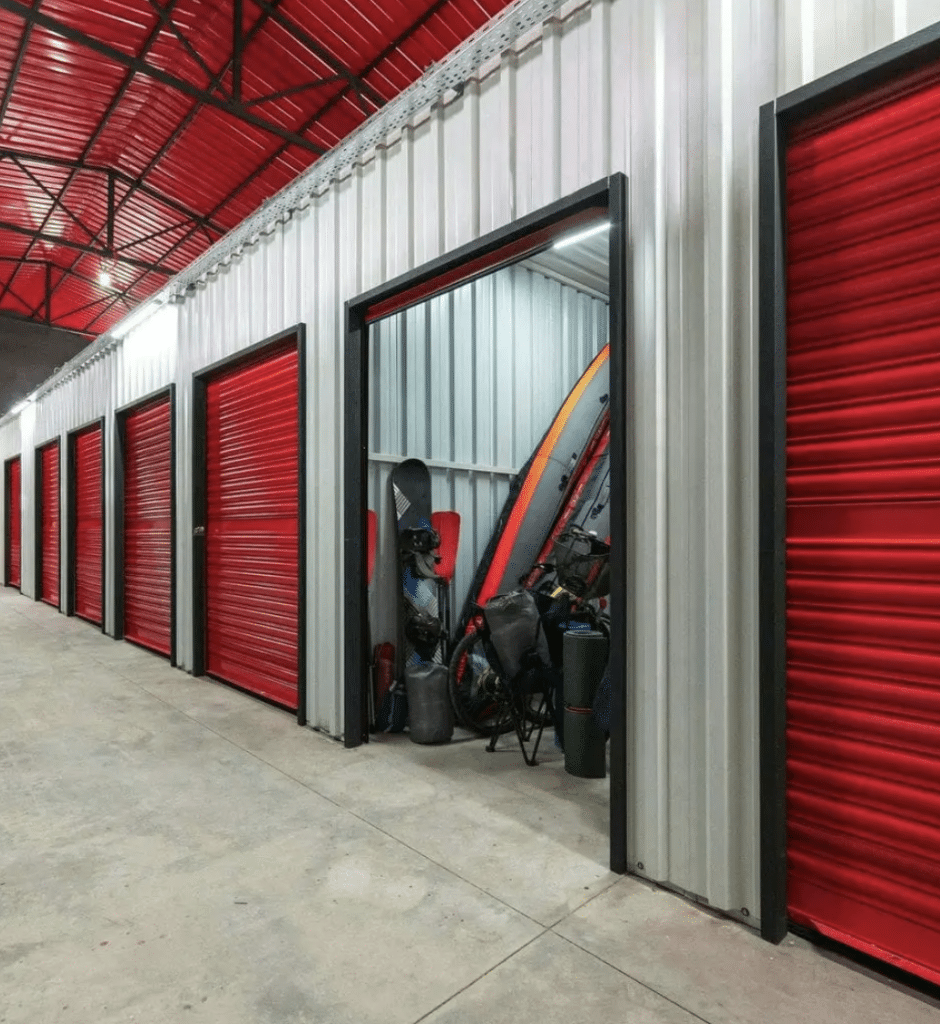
x: 48, y: 533
x: 86, y: 489
x: 13, y: 524
x: 481, y: 418
x: 863, y: 525
x: 851, y: 507
x: 252, y: 523
x: 147, y: 515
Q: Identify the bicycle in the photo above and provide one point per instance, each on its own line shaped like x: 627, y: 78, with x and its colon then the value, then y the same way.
x: 494, y: 693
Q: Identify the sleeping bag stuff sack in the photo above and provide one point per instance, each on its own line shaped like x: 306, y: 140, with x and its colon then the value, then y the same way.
x: 540, y: 489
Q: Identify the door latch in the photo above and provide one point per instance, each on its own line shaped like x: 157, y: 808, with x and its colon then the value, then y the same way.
x: 199, y: 531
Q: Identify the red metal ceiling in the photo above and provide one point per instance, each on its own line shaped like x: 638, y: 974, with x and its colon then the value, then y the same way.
x: 148, y: 98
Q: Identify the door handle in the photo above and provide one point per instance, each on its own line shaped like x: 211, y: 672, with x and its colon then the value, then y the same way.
x: 199, y: 531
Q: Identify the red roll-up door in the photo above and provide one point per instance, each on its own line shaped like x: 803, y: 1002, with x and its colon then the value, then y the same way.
x: 88, y: 525
x: 863, y: 527
x: 49, y: 523
x: 148, y: 513
x: 14, y: 523
x: 252, y: 526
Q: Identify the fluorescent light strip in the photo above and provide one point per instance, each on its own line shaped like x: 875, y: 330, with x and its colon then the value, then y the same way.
x: 563, y: 243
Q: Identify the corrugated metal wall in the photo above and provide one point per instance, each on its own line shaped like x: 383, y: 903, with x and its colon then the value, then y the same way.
x: 469, y: 381
x: 145, y: 362
x: 667, y: 91
x: 817, y: 37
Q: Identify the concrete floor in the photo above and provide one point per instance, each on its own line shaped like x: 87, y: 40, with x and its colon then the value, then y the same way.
x: 173, y: 851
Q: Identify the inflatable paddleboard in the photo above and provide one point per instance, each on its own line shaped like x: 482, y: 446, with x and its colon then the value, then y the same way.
x: 541, y: 489
x: 588, y: 504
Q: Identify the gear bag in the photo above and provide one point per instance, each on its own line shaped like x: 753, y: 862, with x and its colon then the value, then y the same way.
x: 516, y: 632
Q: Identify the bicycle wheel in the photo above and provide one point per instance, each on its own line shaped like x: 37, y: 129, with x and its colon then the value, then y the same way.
x: 476, y: 690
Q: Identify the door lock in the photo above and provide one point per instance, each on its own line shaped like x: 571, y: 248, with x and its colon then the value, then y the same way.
x: 199, y: 531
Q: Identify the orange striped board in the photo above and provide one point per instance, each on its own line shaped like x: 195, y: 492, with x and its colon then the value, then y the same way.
x: 541, y: 489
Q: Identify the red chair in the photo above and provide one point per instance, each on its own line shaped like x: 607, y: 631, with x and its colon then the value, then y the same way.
x: 447, y: 525
x: 371, y: 535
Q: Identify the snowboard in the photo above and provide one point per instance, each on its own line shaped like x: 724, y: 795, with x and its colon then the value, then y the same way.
x: 418, y: 559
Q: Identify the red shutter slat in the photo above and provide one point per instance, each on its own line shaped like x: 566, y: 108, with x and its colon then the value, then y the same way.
x: 148, y: 515
x: 49, y: 512
x: 863, y: 530
x: 14, y: 523
x: 88, y: 525
x: 252, y: 526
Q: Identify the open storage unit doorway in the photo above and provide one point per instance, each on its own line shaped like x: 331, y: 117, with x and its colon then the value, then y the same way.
x: 85, y: 589
x: 850, y: 508
x: 144, y: 583
x: 48, y: 528
x: 526, y: 238
x: 249, y: 541
x: 13, y: 528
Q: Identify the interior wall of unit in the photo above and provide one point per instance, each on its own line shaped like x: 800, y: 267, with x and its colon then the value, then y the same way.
x: 469, y: 381
x: 667, y: 91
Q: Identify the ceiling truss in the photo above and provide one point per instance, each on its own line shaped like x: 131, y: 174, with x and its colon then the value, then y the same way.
x: 66, y: 229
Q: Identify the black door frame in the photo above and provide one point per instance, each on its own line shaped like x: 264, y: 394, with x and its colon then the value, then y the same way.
x: 117, y: 512
x: 200, y: 470
x: 37, y: 520
x: 71, y: 489
x: 7, y: 463
x: 777, y: 118
x: 483, y: 256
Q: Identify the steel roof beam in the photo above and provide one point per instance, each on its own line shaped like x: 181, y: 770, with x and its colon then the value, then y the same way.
x: 122, y: 176
x: 15, y: 70
x: 141, y: 67
x: 241, y: 39
x: 370, y: 67
x: 308, y: 42
x: 56, y: 199
x: 238, y: 48
x: 150, y: 237
x: 244, y: 39
x: 394, y: 45
x: 165, y: 14
x: 187, y: 45
x: 121, y: 297
x: 35, y: 262
x: 66, y: 272
x: 40, y: 236
x: 295, y: 89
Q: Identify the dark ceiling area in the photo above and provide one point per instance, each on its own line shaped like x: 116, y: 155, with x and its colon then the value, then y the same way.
x: 135, y: 133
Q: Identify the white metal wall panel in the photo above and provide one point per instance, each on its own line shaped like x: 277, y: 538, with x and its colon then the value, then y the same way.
x: 667, y: 91
x: 144, y: 362
x: 470, y: 379
x: 816, y: 37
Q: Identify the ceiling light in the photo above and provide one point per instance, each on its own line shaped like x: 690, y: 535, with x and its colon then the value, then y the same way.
x: 563, y: 243
x: 104, y: 279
